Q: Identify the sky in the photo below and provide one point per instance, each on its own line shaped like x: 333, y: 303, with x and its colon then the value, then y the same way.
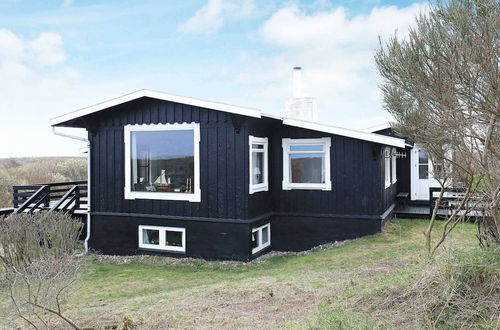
x: 59, y: 56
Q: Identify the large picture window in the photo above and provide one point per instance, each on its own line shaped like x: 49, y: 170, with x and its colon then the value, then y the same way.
x: 306, y: 164
x: 258, y: 164
x: 162, y: 238
x: 162, y: 162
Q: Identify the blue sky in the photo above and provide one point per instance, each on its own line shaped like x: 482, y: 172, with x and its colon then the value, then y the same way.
x: 58, y: 56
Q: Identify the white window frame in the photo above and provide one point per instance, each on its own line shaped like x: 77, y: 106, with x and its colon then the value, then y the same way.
x: 191, y: 197
x: 162, y: 238
x: 259, y: 230
x: 264, y: 186
x: 393, y: 166
x: 387, y: 167
x: 287, y: 143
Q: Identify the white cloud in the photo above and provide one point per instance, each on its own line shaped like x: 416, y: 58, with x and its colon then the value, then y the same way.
x: 212, y: 16
x: 12, y: 46
x: 336, y: 51
x: 47, y: 48
x: 32, y: 76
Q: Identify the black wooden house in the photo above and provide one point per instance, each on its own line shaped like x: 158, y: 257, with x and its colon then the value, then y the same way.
x: 181, y: 176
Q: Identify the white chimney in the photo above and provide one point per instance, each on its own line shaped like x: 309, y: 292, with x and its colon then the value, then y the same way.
x: 299, y: 106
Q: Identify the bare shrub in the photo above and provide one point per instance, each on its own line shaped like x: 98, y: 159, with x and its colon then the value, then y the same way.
x: 39, y: 265
x: 442, y: 86
x: 460, y: 290
x: 6, y: 183
x: 72, y: 169
x: 26, y: 171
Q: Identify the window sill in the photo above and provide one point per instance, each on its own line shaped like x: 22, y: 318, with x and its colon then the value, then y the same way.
x: 256, y: 189
x: 306, y: 186
x: 260, y: 248
x: 150, y: 249
x: 194, y: 197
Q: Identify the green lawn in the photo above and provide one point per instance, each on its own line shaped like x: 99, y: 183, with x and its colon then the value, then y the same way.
x: 333, y: 287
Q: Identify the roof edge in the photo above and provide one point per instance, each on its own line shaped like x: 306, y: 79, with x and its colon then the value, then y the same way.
x: 360, y: 135
x: 378, y: 127
x: 256, y: 113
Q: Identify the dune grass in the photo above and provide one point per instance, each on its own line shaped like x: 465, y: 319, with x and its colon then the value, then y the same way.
x: 344, y: 286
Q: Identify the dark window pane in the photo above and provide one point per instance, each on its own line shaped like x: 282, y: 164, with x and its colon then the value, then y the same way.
x: 257, y: 167
x: 173, y: 238
x: 307, y: 168
x: 422, y: 157
x: 423, y: 171
x: 257, y: 146
x: 307, y: 148
x: 151, y: 236
x: 265, y: 233
x: 163, y: 161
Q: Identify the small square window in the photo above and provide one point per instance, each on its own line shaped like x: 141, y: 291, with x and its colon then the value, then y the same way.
x: 306, y: 164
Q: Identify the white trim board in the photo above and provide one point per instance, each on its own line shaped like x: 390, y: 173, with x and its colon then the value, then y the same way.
x: 377, y: 128
x: 382, y: 139
x: 155, y: 95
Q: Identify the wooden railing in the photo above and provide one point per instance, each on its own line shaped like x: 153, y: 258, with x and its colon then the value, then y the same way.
x: 69, y: 202
x: 34, y: 202
x: 451, y: 200
x: 56, y: 192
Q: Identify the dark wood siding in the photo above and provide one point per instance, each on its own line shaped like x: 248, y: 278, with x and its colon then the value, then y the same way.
x: 352, y: 208
x: 117, y: 234
x: 355, y: 174
x: 223, y: 185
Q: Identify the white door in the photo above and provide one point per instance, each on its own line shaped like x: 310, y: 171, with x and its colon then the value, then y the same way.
x: 421, y: 175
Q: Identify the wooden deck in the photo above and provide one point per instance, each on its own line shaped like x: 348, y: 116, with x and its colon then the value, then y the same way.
x: 415, y: 211
x: 69, y: 197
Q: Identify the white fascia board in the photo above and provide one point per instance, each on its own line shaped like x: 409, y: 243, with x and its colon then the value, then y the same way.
x: 160, y: 96
x: 377, y: 128
x: 377, y: 138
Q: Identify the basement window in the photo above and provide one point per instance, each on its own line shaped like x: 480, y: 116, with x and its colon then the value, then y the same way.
x: 162, y: 238
x: 306, y: 164
x: 162, y: 162
x: 261, y: 238
x: 258, y: 164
